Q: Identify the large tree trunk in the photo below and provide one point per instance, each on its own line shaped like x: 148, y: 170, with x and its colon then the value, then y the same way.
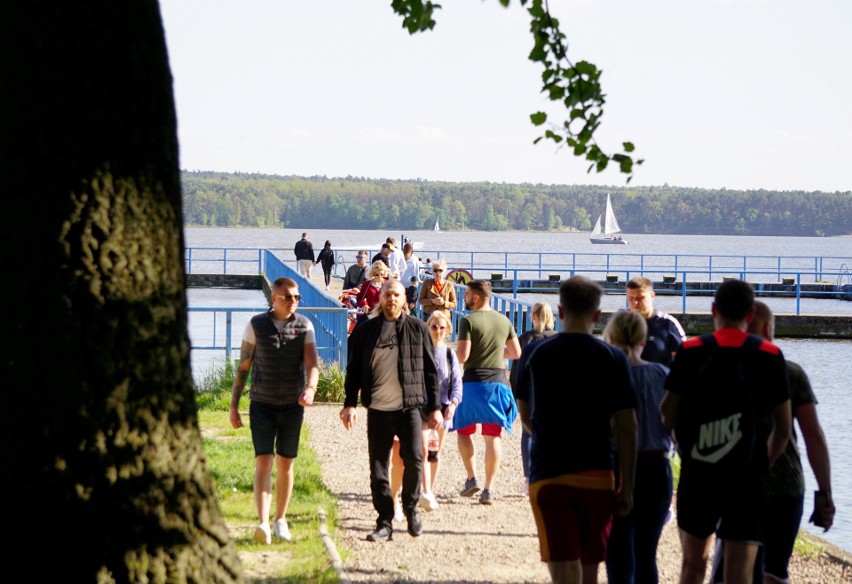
x: 103, y: 472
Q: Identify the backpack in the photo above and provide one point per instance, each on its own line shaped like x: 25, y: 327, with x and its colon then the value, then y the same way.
x: 717, y: 419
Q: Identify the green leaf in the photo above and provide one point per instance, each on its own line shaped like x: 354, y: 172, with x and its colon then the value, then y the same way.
x: 585, y: 68
x: 555, y: 137
x: 629, y: 147
x: 538, y: 118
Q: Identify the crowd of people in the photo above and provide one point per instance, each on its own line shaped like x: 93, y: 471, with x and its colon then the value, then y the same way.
x: 601, y: 417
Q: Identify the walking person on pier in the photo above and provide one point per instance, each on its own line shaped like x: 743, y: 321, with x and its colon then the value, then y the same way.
x: 280, y: 351
x: 574, y: 396
x: 786, y: 478
x: 728, y: 402
x: 665, y: 334
x: 486, y: 340
x: 326, y: 260
x: 392, y: 367
x: 304, y: 251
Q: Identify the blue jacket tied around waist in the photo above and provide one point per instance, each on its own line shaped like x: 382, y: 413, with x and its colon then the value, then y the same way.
x: 486, y: 402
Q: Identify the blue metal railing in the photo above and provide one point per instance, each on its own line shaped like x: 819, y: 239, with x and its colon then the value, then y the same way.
x: 541, y: 264
x: 327, y: 315
x: 331, y: 322
x: 686, y: 287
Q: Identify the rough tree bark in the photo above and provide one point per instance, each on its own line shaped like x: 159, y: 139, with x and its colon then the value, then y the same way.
x: 103, y: 471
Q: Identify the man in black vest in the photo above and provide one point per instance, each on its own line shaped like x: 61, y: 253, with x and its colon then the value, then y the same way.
x: 392, y: 365
x: 279, y: 349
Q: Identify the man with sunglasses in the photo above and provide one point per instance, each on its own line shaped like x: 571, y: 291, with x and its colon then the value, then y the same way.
x: 279, y: 349
x: 357, y: 272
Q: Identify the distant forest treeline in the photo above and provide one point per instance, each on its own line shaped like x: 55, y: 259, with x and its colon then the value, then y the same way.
x: 254, y: 200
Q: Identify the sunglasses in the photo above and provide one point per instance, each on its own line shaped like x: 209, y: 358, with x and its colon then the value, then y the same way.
x: 290, y: 298
x: 435, y: 327
x: 438, y: 271
x: 360, y: 257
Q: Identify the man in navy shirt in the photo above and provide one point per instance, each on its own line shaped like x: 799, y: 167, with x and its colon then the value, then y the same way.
x: 575, y: 394
x: 665, y: 335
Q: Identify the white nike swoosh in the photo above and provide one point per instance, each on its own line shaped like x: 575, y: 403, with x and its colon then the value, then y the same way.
x: 716, y: 455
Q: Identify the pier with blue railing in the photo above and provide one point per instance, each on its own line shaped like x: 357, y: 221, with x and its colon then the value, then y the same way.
x: 515, y: 276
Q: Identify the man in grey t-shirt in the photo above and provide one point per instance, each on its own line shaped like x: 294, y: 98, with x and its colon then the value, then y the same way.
x: 392, y: 367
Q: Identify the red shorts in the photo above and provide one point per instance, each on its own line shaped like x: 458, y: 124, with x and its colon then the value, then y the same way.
x: 573, y: 522
x: 487, y: 430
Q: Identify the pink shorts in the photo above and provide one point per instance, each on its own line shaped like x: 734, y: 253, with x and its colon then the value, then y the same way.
x: 487, y: 430
x: 573, y: 523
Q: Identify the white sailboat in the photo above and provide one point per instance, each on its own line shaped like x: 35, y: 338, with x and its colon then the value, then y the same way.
x: 605, y: 233
x: 437, y: 227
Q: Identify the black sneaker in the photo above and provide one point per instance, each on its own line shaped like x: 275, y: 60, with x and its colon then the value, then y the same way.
x: 383, y: 533
x: 415, y: 526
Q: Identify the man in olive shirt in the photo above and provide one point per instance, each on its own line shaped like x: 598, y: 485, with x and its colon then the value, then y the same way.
x: 486, y: 340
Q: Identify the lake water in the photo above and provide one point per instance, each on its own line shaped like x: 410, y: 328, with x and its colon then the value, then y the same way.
x: 828, y: 363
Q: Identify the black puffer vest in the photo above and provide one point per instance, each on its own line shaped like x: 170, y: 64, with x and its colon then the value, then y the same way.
x: 278, y: 370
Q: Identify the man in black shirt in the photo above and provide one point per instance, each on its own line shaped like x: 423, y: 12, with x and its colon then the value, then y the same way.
x: 304, y: 251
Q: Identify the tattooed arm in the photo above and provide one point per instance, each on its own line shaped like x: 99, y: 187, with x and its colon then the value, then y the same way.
x: 240, y: 378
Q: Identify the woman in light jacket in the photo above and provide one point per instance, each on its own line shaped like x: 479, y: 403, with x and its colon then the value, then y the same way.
x: 436, y: 293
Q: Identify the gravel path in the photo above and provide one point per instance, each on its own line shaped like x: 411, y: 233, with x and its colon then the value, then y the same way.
x: 463, y: 541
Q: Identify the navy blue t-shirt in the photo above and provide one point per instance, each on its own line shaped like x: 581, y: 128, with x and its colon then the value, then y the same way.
x: 665, y: 336
x: 573, y: 383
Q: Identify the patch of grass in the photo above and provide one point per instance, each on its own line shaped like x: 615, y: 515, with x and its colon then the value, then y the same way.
x: 330, y: 385
x: 806, y: 546
x: 230, y: 460
x: 675, y: 469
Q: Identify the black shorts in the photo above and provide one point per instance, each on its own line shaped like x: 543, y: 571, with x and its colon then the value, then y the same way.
x: 734, y: 509
x: 276, y: 428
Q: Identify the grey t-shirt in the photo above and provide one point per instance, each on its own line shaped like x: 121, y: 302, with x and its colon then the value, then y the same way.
x: 387, y: 391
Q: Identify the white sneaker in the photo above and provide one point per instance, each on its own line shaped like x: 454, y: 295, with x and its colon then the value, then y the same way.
x: 281, y: 529
x: 398, y: 515
x: 428, y: 502
x: 262, y: 534
x: 433, y: 502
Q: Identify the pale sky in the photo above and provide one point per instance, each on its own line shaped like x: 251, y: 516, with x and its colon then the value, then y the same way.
x: 714, y: 93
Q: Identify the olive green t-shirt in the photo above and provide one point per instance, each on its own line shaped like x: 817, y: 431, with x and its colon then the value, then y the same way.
x: 786, y: 477
x: 487, y: 331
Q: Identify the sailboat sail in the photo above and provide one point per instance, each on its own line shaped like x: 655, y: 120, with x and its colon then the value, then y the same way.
x: 610, y: 223
x: 437, y: 227
x: 597, y: 228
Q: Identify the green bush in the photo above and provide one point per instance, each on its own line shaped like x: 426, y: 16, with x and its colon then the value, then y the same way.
x: 213, y: 392
x: 330, y: 386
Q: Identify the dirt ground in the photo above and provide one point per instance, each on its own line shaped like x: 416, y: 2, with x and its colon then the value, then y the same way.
x: 463, y: 541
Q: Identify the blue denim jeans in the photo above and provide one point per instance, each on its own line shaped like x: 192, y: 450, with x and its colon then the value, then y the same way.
x: 631, y: 554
